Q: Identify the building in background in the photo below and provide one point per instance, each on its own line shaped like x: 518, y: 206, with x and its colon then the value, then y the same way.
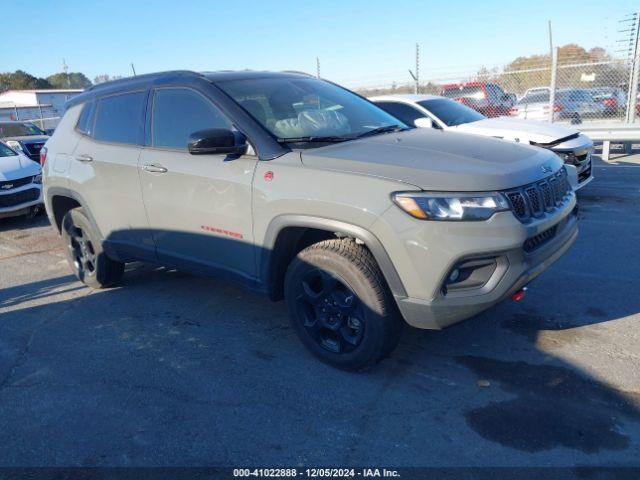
x: 53, y: 99
x: 43, y: 106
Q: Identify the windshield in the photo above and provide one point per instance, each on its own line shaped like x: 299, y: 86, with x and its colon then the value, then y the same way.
x: 14, y: 129
x: 451, y: 113
x: 306, y: 109
x: 6, y: 151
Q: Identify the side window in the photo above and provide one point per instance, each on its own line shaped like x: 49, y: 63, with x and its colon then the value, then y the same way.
x: 85, y: 122
x: 118, y: 118
x: 178, y: 112
x: 404, y: 112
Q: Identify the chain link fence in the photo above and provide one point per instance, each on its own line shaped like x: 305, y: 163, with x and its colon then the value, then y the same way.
x: 570, y: 89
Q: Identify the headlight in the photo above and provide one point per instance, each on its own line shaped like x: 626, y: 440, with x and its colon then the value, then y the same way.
x: 451, y: 206
x: 37, y: 178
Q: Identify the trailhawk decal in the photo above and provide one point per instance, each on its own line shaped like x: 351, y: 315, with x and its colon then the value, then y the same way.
x: 221, y: 231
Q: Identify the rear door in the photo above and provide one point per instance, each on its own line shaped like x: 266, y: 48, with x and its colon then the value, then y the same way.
x: 199, y: 206
x: 104, y: 170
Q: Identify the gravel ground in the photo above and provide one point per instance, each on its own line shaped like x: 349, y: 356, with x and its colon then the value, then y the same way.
x: 173, y: 369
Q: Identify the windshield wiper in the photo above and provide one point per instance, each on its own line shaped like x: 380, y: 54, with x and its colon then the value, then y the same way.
x: 385, y: 129
x: 314, y: 139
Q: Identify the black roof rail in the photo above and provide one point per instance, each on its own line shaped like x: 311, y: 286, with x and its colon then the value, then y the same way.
x: 136, y: 78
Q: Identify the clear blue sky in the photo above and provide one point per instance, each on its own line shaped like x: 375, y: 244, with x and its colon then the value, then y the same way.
x: 358, y: 42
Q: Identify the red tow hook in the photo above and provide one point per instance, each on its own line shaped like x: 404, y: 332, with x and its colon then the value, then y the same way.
x: 519, y: 295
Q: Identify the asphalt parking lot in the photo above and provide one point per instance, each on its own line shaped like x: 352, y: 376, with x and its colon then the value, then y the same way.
x: 173, y: 369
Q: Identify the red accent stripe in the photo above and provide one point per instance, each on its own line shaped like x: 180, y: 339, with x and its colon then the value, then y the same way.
x: 221, y: 231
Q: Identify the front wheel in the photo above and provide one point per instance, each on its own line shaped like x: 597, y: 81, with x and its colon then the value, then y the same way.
x: 340, y: 306
x: 84, y: 252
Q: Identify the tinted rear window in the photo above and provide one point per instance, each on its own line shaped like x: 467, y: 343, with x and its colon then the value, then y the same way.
x: 450, y: 112
x: 118, y: 118
x: 85, y: 122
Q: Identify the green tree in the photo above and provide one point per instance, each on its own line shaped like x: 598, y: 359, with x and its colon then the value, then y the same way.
x: 21, y: 80
x: 69, y: 80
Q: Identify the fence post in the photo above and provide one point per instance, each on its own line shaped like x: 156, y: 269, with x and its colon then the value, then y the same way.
x: 552, y: 86
x: 633, y: 78
x: 41, y: 118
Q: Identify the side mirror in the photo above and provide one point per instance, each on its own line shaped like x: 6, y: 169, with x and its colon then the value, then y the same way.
x: 423, y: 122
x: 216, y: 141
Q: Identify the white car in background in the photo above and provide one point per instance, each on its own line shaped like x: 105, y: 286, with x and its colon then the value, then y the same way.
x: 431, y: 111
x: 20, y: 184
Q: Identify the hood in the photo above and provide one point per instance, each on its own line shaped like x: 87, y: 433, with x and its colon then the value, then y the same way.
x: 517, y: 129
x: 28, y: 138
x: 17, y: 166
x: 436, y: 160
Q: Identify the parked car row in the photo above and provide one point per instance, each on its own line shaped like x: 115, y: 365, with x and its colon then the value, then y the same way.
x: 20, y: 172
x: 573, y: 104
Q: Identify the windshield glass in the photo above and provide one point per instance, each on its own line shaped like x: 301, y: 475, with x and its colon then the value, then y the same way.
x: 451, y: 113
x: 6, y: 151
x: 298, y: 108
x: 19, y: 129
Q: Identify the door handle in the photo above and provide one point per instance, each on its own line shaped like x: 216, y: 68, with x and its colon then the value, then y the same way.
x: 153, y: 168
x: 84, y: 158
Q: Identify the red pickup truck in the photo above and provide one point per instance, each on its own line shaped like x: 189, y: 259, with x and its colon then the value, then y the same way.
x: 487, y: 98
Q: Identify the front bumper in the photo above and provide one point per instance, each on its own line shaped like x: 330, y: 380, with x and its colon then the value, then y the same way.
x: 17, y: 201
x: 577, y: 153
x: 433, y: 253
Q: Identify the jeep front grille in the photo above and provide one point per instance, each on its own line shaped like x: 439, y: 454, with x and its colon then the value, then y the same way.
x: 535, y: 199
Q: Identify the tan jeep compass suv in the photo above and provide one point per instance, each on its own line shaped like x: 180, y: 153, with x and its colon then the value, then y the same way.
x: 305, y: 191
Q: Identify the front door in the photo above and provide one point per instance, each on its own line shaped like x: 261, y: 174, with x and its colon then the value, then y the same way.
x: 199, y: 206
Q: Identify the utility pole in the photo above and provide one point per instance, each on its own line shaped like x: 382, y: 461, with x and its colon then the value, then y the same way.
x: 552, y: 86
x: 317, y: 67
x: 134, y: 69
x: 65, y: 69
x: 634, y: 75
x: 416, y: 76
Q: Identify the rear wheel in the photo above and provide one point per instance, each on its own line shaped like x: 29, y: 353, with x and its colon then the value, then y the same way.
x: 84, y: 252
x: 340, y: 306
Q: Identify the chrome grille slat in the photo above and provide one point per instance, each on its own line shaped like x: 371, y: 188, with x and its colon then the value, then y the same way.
x: 534, y: 201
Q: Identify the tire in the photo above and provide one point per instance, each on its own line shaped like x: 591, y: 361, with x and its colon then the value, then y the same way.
x: 84, y: 252
x: 576, y: 119
x: 340, y: 306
